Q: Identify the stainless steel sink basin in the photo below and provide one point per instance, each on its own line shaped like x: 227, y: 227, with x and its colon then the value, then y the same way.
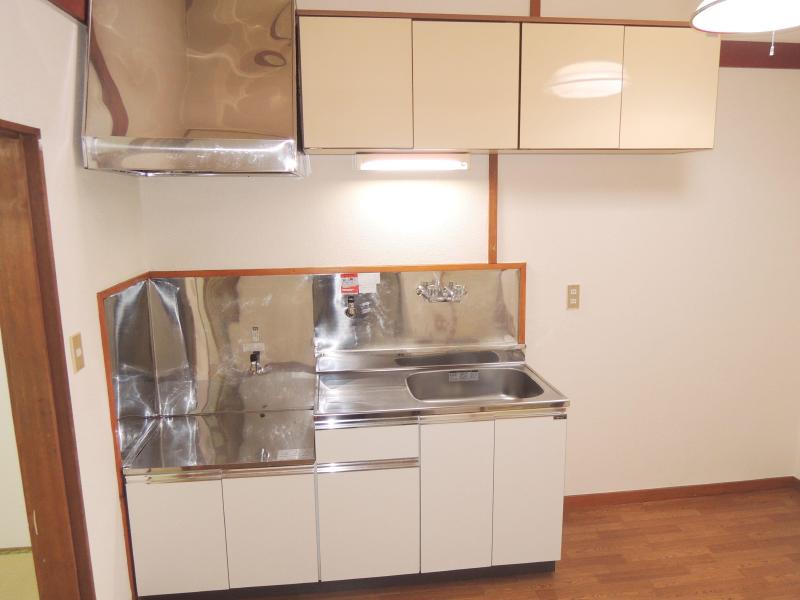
x: 482, y: 385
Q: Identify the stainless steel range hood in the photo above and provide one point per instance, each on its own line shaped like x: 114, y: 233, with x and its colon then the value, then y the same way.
x: 192, y: 87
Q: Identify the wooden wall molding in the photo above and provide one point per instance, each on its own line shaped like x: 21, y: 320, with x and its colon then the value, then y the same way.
x: 536, y: 8
x: 74, y: 8
x: 493, y: 183
x: 33, y: 341
x: 755, y: 55
x: 588, y: 501
x: 488, y: 18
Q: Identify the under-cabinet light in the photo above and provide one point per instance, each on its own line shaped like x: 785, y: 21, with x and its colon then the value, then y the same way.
x: 412, y: 162
x: 746, y: 16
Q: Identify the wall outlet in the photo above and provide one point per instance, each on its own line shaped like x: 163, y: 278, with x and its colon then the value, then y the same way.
x: 76, y: 350
x: 573, y: 296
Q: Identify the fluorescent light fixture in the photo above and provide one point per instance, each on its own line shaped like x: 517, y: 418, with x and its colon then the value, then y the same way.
x: 746, y: 16
x: 412, y: 162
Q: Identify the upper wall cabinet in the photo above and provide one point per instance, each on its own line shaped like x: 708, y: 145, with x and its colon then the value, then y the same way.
x: 670, y: 93
x: 380, y: 84
x: 466, y: 85
x: 571, y: 86
x: 356, y: 82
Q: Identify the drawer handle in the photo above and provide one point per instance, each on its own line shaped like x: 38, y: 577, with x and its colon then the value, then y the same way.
x: 368, y: 465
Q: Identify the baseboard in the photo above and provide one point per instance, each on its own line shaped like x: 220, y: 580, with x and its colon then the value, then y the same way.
x: 584, y: 501
x: 389, y: 586
x: 17, y: 550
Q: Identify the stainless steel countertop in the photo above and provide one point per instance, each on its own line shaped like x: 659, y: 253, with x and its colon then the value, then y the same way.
x: 385, y: 394
x: 280, y: 388
x: 226, y: 441
x: 276, y: 427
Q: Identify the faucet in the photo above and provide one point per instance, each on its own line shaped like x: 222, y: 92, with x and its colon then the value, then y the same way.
x: 256, y: 368
x: 436, y: 292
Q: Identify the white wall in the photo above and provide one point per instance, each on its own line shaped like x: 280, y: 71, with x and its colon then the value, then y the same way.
x: 337, y: 216
x: 681, y: 361
x: 96, y: 225
x: 13, y: 519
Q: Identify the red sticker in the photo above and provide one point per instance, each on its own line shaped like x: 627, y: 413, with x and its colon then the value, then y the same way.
x: 349, y: 283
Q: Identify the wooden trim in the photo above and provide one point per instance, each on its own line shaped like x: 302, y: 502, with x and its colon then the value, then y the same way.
x: 523, y: 291
x: 37, y: 376
x: 13, y: 129
x: 588, y: 501
x: 493, y: 209
x: 755, y: 55
x: 112, y: 412
x: 74, y: 8
x: 488, y: 18
x: 333, y: 270
x: 123, y: 285
x: 15, y: 550
x: 536, y: 8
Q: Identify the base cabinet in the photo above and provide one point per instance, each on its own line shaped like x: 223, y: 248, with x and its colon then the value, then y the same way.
x: 271, y: 529
x: 368, y: 523
x: 457, y: 469
x: 480, y: 493
x: 178, y: 536
x: 528, y: 490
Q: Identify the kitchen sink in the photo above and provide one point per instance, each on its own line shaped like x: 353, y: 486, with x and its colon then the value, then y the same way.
x: 483, y: 385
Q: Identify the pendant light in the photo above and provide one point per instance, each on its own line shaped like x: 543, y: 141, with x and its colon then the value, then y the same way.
x: 746, y: 16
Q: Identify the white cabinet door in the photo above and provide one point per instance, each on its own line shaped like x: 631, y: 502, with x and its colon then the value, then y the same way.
x: 368, y: 523
x: 271, y: 530
x: 178, y: 536
x: 528, y: 490
x: 466, y: 85
x: 456, y: 491
x: 670, y: 94
x: 571, y: 86
x: 356, y: 82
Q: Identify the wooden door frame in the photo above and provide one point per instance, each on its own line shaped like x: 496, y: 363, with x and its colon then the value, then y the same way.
x: 33, y: 344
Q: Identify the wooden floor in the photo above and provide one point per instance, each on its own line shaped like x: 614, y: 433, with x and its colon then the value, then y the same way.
x: 732, y: 547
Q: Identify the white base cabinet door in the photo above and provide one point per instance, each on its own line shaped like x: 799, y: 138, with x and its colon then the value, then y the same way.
x: 271, y: 530
x: 368, y: 523
x: 528, y: 490
x: 456, y: 495
x: 178, y: 536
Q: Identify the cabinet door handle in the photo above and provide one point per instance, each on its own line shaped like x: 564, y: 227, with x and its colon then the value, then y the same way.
x: 368, y: 465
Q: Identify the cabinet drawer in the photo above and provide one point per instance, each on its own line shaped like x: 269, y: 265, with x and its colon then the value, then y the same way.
x: 367, y: 443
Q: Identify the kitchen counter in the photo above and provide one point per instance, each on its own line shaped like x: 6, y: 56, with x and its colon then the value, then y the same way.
x: 276, y: 427
x: 232, y: 440
x: 385, y: 394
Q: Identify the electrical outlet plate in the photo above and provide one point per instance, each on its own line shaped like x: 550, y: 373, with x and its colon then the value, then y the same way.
x: 573, y: 296
x: 76, y: 350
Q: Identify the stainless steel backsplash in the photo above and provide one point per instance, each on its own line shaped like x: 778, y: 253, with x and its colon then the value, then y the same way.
x: 182, y: 345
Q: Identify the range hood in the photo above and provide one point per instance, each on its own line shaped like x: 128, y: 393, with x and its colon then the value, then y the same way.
x: 192, y: 87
